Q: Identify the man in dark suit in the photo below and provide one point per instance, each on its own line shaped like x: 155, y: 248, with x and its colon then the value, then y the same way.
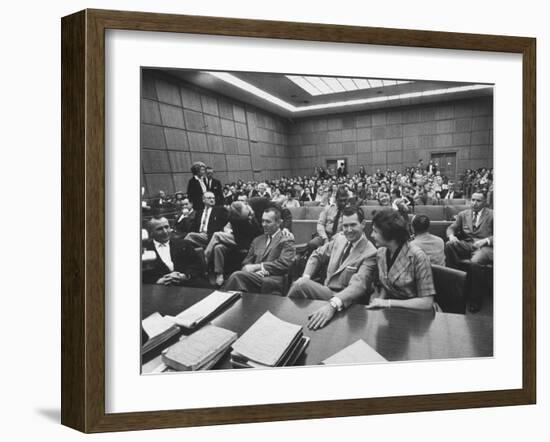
x: 161, y: 201
x: 166, y: 261
x: 213, y: 185
x: 209, y: 220
x: 451, y: 193
x: 197, y: 186
x: 471, y: 237
x: 268, y: 261
x: 185, y: 220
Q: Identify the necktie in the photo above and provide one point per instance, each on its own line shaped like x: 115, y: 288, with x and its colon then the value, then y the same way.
x: 268, y: 241
x: 346, y: 253
x: 476, y: 220
x: 336, y: 221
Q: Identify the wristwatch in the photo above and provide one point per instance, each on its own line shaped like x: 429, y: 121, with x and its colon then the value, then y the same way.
x: 336, y: 303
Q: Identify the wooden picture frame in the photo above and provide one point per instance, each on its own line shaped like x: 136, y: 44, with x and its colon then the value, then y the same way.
x: 83, y: 219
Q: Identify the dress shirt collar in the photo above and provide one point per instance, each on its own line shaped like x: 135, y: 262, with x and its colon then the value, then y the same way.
x: 161, y: 244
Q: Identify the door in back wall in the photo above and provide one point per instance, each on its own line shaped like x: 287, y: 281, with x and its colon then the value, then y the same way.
x: 446, y: 163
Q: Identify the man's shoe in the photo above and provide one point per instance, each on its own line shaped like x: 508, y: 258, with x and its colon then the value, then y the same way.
x: 219, y: 280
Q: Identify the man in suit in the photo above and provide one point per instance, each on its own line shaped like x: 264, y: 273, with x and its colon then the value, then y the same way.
x: 471, y: 234
x: 185, y: 220
x: 196, y: 187
x: 209, y: 220
x: 161, y: 201
x: 237, y: 236
x: 450, y: 193
x: 471, y: 237
x: 433, y: 246
x: 213, y: 185
x: 268, y: 260
x: 166, y: 261
x: 350, y: 262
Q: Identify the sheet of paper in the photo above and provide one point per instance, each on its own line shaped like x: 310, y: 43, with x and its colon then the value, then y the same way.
x: 202, y: 309
x: 267, y: 339
x: 357, y: 353
x: 156, y: 324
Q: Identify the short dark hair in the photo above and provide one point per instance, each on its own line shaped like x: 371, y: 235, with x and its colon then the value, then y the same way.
x: 342, y: 192
x: 354, y: 210
x: 392, y: 226
x: 420, y: 223
x: 276, y: 211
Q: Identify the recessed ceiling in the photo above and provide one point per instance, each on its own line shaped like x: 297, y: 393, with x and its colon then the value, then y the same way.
x: 333, y: 85
x: 288, y: 95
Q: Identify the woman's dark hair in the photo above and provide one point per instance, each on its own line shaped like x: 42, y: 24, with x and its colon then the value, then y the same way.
x: 391, y: 225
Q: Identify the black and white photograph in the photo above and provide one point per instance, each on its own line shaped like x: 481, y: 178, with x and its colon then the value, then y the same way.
x: 300, y: 219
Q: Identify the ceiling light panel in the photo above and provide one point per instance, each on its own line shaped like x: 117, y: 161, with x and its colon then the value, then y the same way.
x: 333, y: 85
x: 320, y: 85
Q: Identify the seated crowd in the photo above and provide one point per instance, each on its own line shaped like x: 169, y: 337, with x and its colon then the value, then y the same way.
x: 239, y: 237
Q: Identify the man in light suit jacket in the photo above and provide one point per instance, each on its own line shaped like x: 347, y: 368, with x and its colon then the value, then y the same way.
x: 471, y: 237
x: 471, y: 234
x: 268, y: 260
x: 350, y: 260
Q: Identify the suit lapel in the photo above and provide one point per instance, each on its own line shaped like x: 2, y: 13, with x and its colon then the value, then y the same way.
x: 355, y: 251
x: 482, y: 217
x: 338, y: 250
x: 274, y: 240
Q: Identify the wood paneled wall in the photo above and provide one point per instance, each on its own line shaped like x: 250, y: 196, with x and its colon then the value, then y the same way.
x: 397, y: 138
x: 181, y: 124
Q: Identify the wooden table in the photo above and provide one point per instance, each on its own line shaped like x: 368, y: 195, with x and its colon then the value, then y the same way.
x: 397, y: 334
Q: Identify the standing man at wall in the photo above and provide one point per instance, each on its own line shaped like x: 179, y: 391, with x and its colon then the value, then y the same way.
x: 213, y: 185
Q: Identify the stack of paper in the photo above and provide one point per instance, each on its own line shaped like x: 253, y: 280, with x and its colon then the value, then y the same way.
x: 357, y: 353
x: 200, y: 312
x: 159, y: 329
x: 200, y: 350
x: 269, y: 342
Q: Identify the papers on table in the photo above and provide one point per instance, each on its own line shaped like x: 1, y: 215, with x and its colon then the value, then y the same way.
x: 159, y: 329
x: 202, y: 310
x: 357, y: 353
x: 200, y: 350
x: 269, y: 342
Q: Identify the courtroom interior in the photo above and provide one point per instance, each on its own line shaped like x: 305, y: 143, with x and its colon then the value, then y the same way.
x: 337, y: 202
